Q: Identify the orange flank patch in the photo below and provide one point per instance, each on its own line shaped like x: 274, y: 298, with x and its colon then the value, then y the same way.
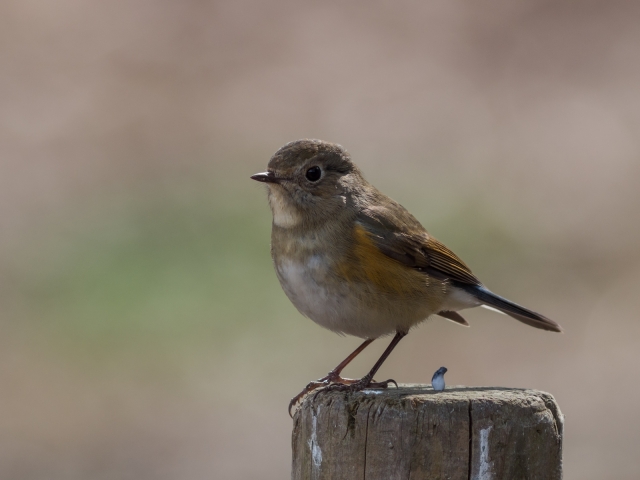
x: 367, y: 264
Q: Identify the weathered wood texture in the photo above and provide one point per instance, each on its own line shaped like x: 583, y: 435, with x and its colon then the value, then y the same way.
x: 415, y: 433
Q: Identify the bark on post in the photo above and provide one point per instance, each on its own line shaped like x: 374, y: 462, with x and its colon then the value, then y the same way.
x: 475, y: 433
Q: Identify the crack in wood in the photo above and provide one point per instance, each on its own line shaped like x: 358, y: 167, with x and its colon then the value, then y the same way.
x: 415, y: 433
x: 470, y: 440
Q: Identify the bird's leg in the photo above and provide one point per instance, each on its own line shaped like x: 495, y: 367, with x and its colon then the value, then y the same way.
x: 333, y: 376
x: 367, y: 380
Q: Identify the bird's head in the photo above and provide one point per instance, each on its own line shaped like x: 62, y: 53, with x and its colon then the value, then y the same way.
x: 309, y: 181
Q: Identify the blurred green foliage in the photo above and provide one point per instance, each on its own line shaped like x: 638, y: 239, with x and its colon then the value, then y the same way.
x: 180, y: 266
x: 157, y: 267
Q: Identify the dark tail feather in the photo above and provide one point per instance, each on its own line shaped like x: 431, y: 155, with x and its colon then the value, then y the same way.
x: 512, y: 309
x: 454, y: 317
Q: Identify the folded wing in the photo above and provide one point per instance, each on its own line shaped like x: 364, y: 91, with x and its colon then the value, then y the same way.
x: 397, y: 234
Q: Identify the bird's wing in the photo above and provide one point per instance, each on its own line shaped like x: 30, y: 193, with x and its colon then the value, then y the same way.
x: 397, y: 234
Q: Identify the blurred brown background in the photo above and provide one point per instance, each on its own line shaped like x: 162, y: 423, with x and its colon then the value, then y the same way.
x: 143, y: 332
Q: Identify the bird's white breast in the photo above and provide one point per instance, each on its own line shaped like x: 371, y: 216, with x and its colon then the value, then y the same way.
x: 304, y: 282
x: 340, y: 305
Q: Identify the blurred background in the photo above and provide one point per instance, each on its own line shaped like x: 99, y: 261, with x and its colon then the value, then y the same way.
x: 143, y: 331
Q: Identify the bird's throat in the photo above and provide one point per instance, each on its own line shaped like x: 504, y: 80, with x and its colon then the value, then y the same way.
x: 285, y: 215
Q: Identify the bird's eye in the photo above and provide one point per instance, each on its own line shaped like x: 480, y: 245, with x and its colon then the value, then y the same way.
x: 313, y: 174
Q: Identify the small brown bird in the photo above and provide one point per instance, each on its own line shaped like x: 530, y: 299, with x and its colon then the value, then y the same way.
x: 358, y: 263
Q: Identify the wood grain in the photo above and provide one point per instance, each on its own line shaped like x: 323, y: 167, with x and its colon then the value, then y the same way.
x: 414, y: 433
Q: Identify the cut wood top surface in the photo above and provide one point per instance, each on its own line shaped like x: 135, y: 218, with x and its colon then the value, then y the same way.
x: 426, y: 393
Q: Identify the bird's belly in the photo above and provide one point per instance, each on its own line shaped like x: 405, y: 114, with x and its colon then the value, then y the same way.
x: 345, y: 306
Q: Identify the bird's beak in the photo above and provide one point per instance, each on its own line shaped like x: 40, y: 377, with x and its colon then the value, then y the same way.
x: 266, y: 177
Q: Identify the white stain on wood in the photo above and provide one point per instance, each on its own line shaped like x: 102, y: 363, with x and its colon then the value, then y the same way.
x: 316, y: 453
x: 484, y: 470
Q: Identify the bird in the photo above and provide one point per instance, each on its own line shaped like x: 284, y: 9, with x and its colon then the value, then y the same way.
x: 358, y: 263
x: 437, y: 381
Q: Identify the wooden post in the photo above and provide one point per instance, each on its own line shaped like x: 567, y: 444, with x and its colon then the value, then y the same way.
x: 415, y: 433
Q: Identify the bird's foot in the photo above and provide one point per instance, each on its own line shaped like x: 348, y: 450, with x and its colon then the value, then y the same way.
x: 331, y: 379
x: 365, y: 383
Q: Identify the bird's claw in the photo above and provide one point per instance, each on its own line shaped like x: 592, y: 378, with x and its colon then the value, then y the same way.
x: 330, y: 379
x: 357, y: 386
